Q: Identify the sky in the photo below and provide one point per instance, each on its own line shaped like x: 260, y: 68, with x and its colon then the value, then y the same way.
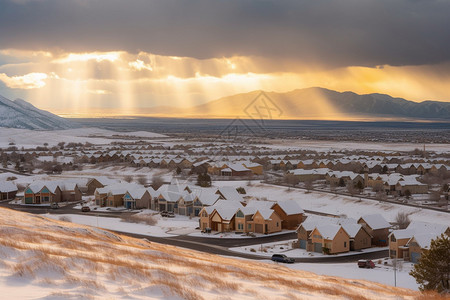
x: 97, y: 57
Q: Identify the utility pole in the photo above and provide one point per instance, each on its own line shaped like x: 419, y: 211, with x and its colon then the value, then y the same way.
x: 395, y: 271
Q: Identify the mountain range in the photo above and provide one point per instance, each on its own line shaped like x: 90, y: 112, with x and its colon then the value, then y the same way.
x: 309, y: 103
x: 314, y: 104
x: 21, y: 114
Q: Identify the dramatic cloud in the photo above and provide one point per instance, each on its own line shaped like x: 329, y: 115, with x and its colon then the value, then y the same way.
x: 331, y: 34
x: 26, y: 82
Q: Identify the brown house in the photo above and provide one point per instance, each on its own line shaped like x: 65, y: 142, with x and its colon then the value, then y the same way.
x: 42, y: 193
x: 359, y: 237
x: 330, y: 239
x: 397, y: 243
x: 8, y: 190
x: 290, y: 212
x: 377, y: 227
x: 264, y: 221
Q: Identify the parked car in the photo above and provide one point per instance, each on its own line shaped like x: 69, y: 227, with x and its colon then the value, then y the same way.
x: 282, y: 258
x: 164, y: 213
x: 85, y: 209
x: 170, y: 214
x: 54, y: 205
x: 366, y: 263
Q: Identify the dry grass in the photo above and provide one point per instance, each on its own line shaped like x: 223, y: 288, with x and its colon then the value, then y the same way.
x: 82, y: 256
x: 141, y: 219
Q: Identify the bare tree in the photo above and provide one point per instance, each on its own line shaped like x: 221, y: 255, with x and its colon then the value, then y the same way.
x: 142, y: 179
x: 157, y: 182
x: 402, y: 220
x: 308, y: 185
x: 291, y: 179
x: 128, y: 178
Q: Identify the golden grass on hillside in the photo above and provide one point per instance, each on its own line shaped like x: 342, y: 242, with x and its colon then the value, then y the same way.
x: 59, y: 254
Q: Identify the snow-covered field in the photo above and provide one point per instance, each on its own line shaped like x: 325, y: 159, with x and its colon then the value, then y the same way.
x: 33, y: 138
x: 42, y: 258
x: 350, y: 207
x: 163, y: 228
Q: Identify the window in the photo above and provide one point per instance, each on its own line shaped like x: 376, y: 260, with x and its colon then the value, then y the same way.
x: 277, y: 224
x: 204, y: 214
x: 249, y: 226
x: 345, y: 244
x: 239, y: 214
x: 393, y: 239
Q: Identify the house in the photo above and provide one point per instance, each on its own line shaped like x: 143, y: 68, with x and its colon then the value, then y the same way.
x: 256, y: 168
x: 113, y: 195
x: 409, y: 243
x: 220, y: 216
x: 229, y: 193
x: 411, y: 184
x: 137, y: 199
x: 290, y: 212
x: 330, y: 239
x: 98, y: 182
x: 235, y: 170
x: 264, y: 221
x: 8, y: 190
x: 309, y: 175
x: 42, y: 193
x: 397, y: 242
x: 305, y: 229
x: 205, y: 198
x: 359, y: 237
x: 70, y: 192
x: 377, y: 227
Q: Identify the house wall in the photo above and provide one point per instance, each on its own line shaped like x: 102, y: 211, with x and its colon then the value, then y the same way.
x: 115, y: 200
x: 10, y: 195
x: 240, y: 224
x: 204, y: 220
x: 340, y: 243
x: 394, y: 246
x: 274, y: 224
x: 144, y: 202
x: 379, y: 236
x: 92, y: 185
x: 290, y: 222
x: 362, y: 240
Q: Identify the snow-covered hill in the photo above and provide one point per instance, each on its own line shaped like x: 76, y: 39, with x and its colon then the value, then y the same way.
x: 21, y: 114
x: 49, y: 259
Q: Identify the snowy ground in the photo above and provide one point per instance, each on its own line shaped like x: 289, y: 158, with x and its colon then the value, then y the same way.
x: 33, y: 138
x: 383, y: 274
x: 165, y: 227
x: 350, y: 207
x: 42, y: 258
x: 286, y: 247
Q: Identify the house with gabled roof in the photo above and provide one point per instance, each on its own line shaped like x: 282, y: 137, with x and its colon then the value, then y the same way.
x: 138, y: 198
x: 265, y: 221
x: 42, y: 193
x: 359, y: 237
x: 290, y: 212
x: 203, y: 199
x: 8, y: 190
x: 330, y: 239
x: 229, y: 193
x: 377, y: 226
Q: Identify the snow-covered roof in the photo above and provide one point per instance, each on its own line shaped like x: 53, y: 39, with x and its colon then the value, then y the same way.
x: 328, y: 231
x: 208, y: 197
x: 230, y: 193
x: 424, y: 239
x: 425, y: 227
x: 402, y: 234
x: 352, y: 229
x: 313, y: 220
x: 290, y: 207
x: 7, y: 187
x: 37, y: 186
x: 266, y: 213
x: 376, y: 221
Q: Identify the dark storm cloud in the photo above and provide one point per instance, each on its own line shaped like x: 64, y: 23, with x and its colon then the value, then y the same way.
x: 334, y: 33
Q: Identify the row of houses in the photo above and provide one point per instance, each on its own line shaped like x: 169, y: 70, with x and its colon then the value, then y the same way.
x: 183, y: 199
x: 391, y: 183
x: 338, y: 235
x: 254, y: 217
x: 40, y: 192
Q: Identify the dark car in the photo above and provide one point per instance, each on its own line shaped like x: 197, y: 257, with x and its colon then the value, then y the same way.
x: 282, y: 258
x: 54, y: 205
x: 85, y: 209
x: 366, y: 263
x: 164, y: 213
x: 170, y: 214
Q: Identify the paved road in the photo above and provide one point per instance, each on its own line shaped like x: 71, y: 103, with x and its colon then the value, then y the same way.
x: 206, y: 244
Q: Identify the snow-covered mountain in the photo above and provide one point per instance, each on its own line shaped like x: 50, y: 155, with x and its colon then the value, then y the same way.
x: 21, y: 114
